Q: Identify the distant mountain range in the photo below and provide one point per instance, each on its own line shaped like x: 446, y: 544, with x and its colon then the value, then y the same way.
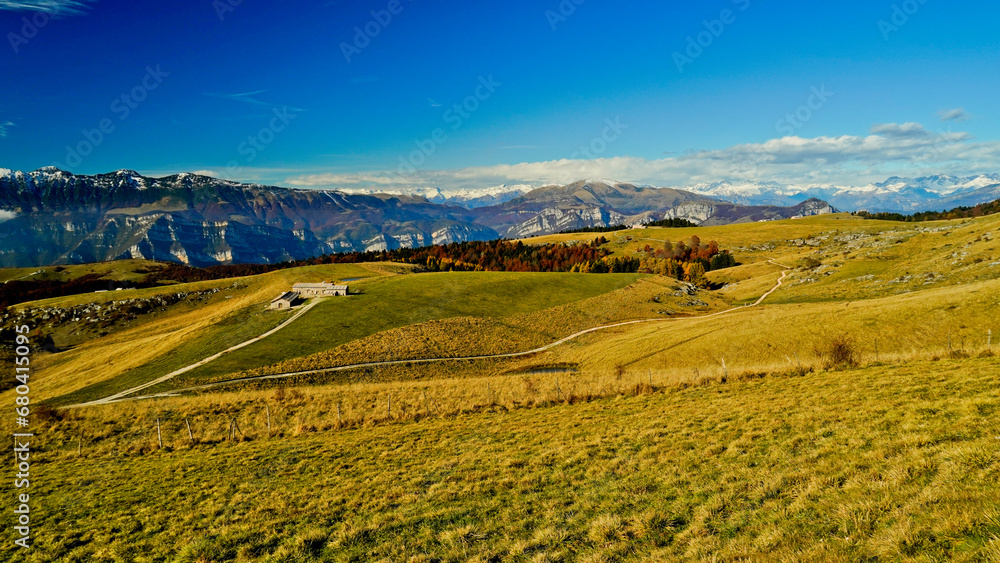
x: 54, y: 217
x: 900, y: 195
x: 896, y: 194
x: 468, y: 198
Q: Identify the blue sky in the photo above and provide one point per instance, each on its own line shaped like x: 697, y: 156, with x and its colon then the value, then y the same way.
x: 546, y: 91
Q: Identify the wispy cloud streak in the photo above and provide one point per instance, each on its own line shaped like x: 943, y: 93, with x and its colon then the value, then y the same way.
x: 54, y: 7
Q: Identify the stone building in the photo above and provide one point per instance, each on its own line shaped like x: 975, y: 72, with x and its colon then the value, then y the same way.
x: 284, y: 301
x: 322, y: 289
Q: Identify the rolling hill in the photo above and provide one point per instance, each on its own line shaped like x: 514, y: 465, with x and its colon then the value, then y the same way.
x: 849, y: 416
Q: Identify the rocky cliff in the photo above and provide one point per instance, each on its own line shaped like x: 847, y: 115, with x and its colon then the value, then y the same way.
x: 53, y: 217
x: 722, y: 213
x: 56, y: 217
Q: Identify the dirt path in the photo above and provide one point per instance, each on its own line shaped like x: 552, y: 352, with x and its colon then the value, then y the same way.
x: 121, y: 396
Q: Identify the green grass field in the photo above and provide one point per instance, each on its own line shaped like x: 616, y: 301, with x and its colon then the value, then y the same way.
x: 152, y: 338
x: 883, y: 463
x: 238, y: 327
x: 118, y: 270
x: 850, y: 417
x: 405, y: 300
x: 383, y: 304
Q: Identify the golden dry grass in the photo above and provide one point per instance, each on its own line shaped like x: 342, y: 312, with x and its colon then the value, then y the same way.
x: 110, y: 356
x: 649, y: 298
x: 895, y: 463
x: 628, y: 444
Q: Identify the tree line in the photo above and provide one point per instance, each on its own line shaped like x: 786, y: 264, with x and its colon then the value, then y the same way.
x: 668, y: 223
x: 495, y: 256
x: 961, y: 212
x: 684, y: 260
x: 21, y: 291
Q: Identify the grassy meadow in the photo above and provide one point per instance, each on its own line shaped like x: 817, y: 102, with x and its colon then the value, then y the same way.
x: 118, y: 270
x: 852, y: 416
x: 402, y: 301
x: 878, y: 463
x: 186, y: 334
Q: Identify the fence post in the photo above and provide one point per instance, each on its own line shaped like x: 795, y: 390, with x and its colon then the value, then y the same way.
x: 725, y: 370
x: 190, y: 434
x: 159, y: 438
x: 340, y: 420
x: 267, y: 409
x: 234, y: 427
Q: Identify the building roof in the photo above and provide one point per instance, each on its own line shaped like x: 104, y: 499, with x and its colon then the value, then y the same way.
x: 322, y: 285
x: 288, y: 295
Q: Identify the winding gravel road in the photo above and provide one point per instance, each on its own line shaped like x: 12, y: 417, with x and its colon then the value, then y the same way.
x: 121, y: 396
x: 124, y: 395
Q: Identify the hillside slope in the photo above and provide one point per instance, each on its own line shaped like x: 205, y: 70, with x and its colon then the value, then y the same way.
x: 888, y: 463
x: 850, y: 416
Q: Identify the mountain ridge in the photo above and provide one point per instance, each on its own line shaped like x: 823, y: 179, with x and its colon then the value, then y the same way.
x: 51, y: 216
x: 896, y: 194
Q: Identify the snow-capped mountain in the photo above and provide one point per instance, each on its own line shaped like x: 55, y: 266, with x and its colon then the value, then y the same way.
x: 467, y: 198
x: 903, y: 195
x: 53, y: 217
x: 56, y: 217
x: 752, y: 193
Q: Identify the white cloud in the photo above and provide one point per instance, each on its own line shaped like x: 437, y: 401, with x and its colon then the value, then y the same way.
x: 210, y: 173
x: 957, y: 114
x: 890, y: 149
x: 54, y: 7
x: 900, y: 131
x: 4, y: 126
x: 6, y: 215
